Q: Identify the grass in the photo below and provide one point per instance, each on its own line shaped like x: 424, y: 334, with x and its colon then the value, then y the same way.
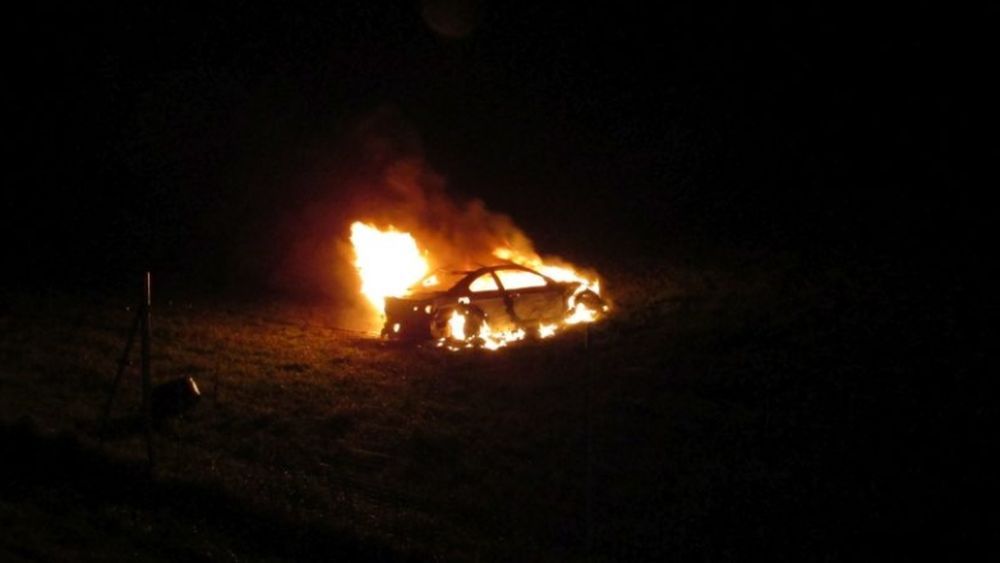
x: 715, y: 416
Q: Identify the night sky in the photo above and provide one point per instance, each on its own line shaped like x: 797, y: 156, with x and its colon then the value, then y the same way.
x: 180, y: 139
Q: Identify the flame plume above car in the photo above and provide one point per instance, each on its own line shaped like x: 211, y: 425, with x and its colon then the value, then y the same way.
x: 384, y: 234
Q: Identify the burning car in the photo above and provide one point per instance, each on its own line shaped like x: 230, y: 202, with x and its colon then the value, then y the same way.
x: 488, y: 306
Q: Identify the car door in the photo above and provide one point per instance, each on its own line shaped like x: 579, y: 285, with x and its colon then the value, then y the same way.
x: 486, y: 295
x: 531, y: 296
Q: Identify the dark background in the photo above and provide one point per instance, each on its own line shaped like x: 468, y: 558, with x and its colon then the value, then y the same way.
x: 174, y: 138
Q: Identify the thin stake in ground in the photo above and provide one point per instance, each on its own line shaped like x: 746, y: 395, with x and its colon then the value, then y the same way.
x: 141, y: 325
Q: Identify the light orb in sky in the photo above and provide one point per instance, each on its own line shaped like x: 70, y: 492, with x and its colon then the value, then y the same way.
x: 451, y: 18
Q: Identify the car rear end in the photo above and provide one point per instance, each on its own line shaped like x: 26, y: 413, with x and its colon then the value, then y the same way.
x: 407, y: 318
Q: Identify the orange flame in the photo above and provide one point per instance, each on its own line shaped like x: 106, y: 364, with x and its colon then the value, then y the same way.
x: 388, y: 262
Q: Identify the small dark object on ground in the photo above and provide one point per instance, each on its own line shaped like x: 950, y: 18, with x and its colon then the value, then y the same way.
x: 174, y: 398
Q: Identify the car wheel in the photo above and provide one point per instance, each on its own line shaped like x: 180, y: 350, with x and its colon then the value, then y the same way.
x: 592, y: 301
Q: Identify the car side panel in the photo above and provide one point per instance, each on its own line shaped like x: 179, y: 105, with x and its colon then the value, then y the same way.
x: 492, y: 305
x: 539, y: 304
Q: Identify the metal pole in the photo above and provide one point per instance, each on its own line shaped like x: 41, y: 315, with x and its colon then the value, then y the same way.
x: 122, y: 364
x: 147, y: 406
x: 590, y: 441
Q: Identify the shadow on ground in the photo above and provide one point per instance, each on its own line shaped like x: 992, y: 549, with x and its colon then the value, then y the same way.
x: 128, y: 515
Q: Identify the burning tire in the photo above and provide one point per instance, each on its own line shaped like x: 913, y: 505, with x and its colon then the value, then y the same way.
x: 590, y: 300
x: 585, y: 307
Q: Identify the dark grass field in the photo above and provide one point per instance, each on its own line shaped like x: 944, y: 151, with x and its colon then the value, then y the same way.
x: 766, y: 413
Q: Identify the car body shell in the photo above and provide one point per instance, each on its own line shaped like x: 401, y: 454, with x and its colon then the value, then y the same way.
x: 480, y: 292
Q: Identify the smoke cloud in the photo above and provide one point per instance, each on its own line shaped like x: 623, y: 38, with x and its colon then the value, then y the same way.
x: 384, y: 179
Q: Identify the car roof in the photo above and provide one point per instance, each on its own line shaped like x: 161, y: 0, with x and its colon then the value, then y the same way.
x: 469, y: 275
x: 473, y: 274
x: 504, y: 266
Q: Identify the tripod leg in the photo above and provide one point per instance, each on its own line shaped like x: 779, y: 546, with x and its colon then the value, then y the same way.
x: 147, y: 388
x: 122, y: 364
